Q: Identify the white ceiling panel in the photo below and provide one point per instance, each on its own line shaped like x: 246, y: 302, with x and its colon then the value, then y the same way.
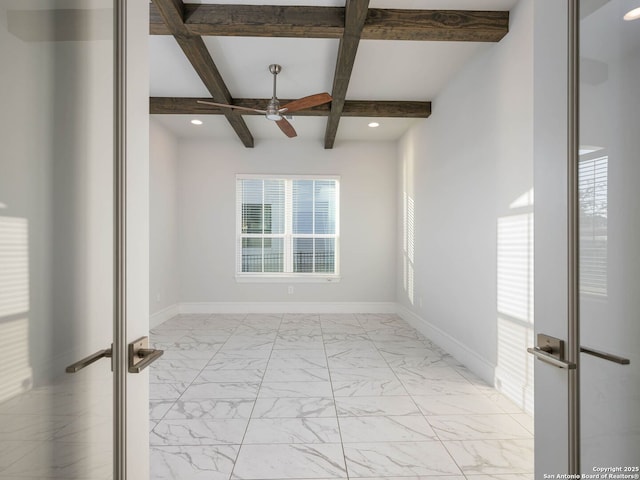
x: 405, y: 70
x: 171, y: 73
x: 243, y: 62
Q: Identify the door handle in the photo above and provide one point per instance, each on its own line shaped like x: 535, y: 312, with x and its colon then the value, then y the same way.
x: 605, y: 356
x: 85, y: 362
x: 140, y: 357
x: 551, y: 350
x: 551, y: 359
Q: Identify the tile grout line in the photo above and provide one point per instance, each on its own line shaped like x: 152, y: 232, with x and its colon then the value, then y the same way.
x: 335, y: 405
x: 235, y: 462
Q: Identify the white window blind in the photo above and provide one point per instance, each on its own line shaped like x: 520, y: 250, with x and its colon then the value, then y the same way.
x: 593, y: 188
x: 287, y: 226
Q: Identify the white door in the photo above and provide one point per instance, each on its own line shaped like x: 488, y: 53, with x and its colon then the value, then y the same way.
x: 58, y: 301
x: 609, y: 171
x: 588, y: 419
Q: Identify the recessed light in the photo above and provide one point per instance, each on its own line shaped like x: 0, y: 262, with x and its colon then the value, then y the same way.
x: 632, y: 14
x: 196, y: 122
x: 374, y: 124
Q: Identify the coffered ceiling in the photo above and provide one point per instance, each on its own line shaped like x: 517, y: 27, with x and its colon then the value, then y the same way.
x: 393, y: 60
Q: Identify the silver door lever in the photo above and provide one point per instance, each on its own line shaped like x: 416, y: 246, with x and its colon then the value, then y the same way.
x: 85, y: 362
x: 605, y: 356
x: 551, y: 350
x: 141, y: 356
x: 551, y: 359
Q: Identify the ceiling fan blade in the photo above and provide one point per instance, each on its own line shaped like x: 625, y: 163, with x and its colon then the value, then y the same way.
x: 287, y: 128
x: 235, y: 107
x: 307, y: 102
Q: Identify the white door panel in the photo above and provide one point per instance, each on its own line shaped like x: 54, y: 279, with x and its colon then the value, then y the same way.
x: 550, y: 219
x: 610, y: 236
x: 56, y: 237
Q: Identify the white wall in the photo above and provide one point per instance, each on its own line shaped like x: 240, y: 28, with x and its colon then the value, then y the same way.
x: 163, y: 213
x: 207, y: 221
x: 464, y: 189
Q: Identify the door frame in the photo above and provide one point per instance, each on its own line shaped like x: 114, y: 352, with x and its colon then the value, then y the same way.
x: 119, y: 358
x: 573, y: 232
x: 131, y: 236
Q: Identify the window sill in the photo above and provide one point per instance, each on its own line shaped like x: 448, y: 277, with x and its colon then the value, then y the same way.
x: 288, y: 278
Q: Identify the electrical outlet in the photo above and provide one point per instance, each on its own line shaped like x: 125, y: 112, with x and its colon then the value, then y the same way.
x: 157, y: 297
x: 290, y: 290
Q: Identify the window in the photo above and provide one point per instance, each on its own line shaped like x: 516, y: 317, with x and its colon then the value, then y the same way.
x: 287, y: 227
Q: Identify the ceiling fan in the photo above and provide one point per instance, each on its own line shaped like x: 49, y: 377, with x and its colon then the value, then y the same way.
x: 276, y: 112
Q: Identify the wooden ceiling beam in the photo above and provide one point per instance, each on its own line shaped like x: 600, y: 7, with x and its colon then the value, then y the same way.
x: 258, y: 20
x: 352, y: 108
x: 172, y: 12
x: 328, y: 22
x: 355, y: 16
x: 436, y: 25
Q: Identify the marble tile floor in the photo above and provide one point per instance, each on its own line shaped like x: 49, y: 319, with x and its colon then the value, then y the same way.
x: 341, y: 396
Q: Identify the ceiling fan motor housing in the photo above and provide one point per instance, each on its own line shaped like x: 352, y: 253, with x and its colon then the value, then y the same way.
x: 273, y: 110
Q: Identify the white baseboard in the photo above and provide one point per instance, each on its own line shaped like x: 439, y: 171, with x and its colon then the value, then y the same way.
x: 465, y: 355
x: 163, y: 315
x: 516, y: 388
x: 288, y: 307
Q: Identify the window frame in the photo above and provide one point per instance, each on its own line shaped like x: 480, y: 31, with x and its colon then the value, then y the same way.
x: 288, y: 275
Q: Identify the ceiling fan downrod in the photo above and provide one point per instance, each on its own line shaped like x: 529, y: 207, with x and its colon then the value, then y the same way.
x: 273, y: 109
